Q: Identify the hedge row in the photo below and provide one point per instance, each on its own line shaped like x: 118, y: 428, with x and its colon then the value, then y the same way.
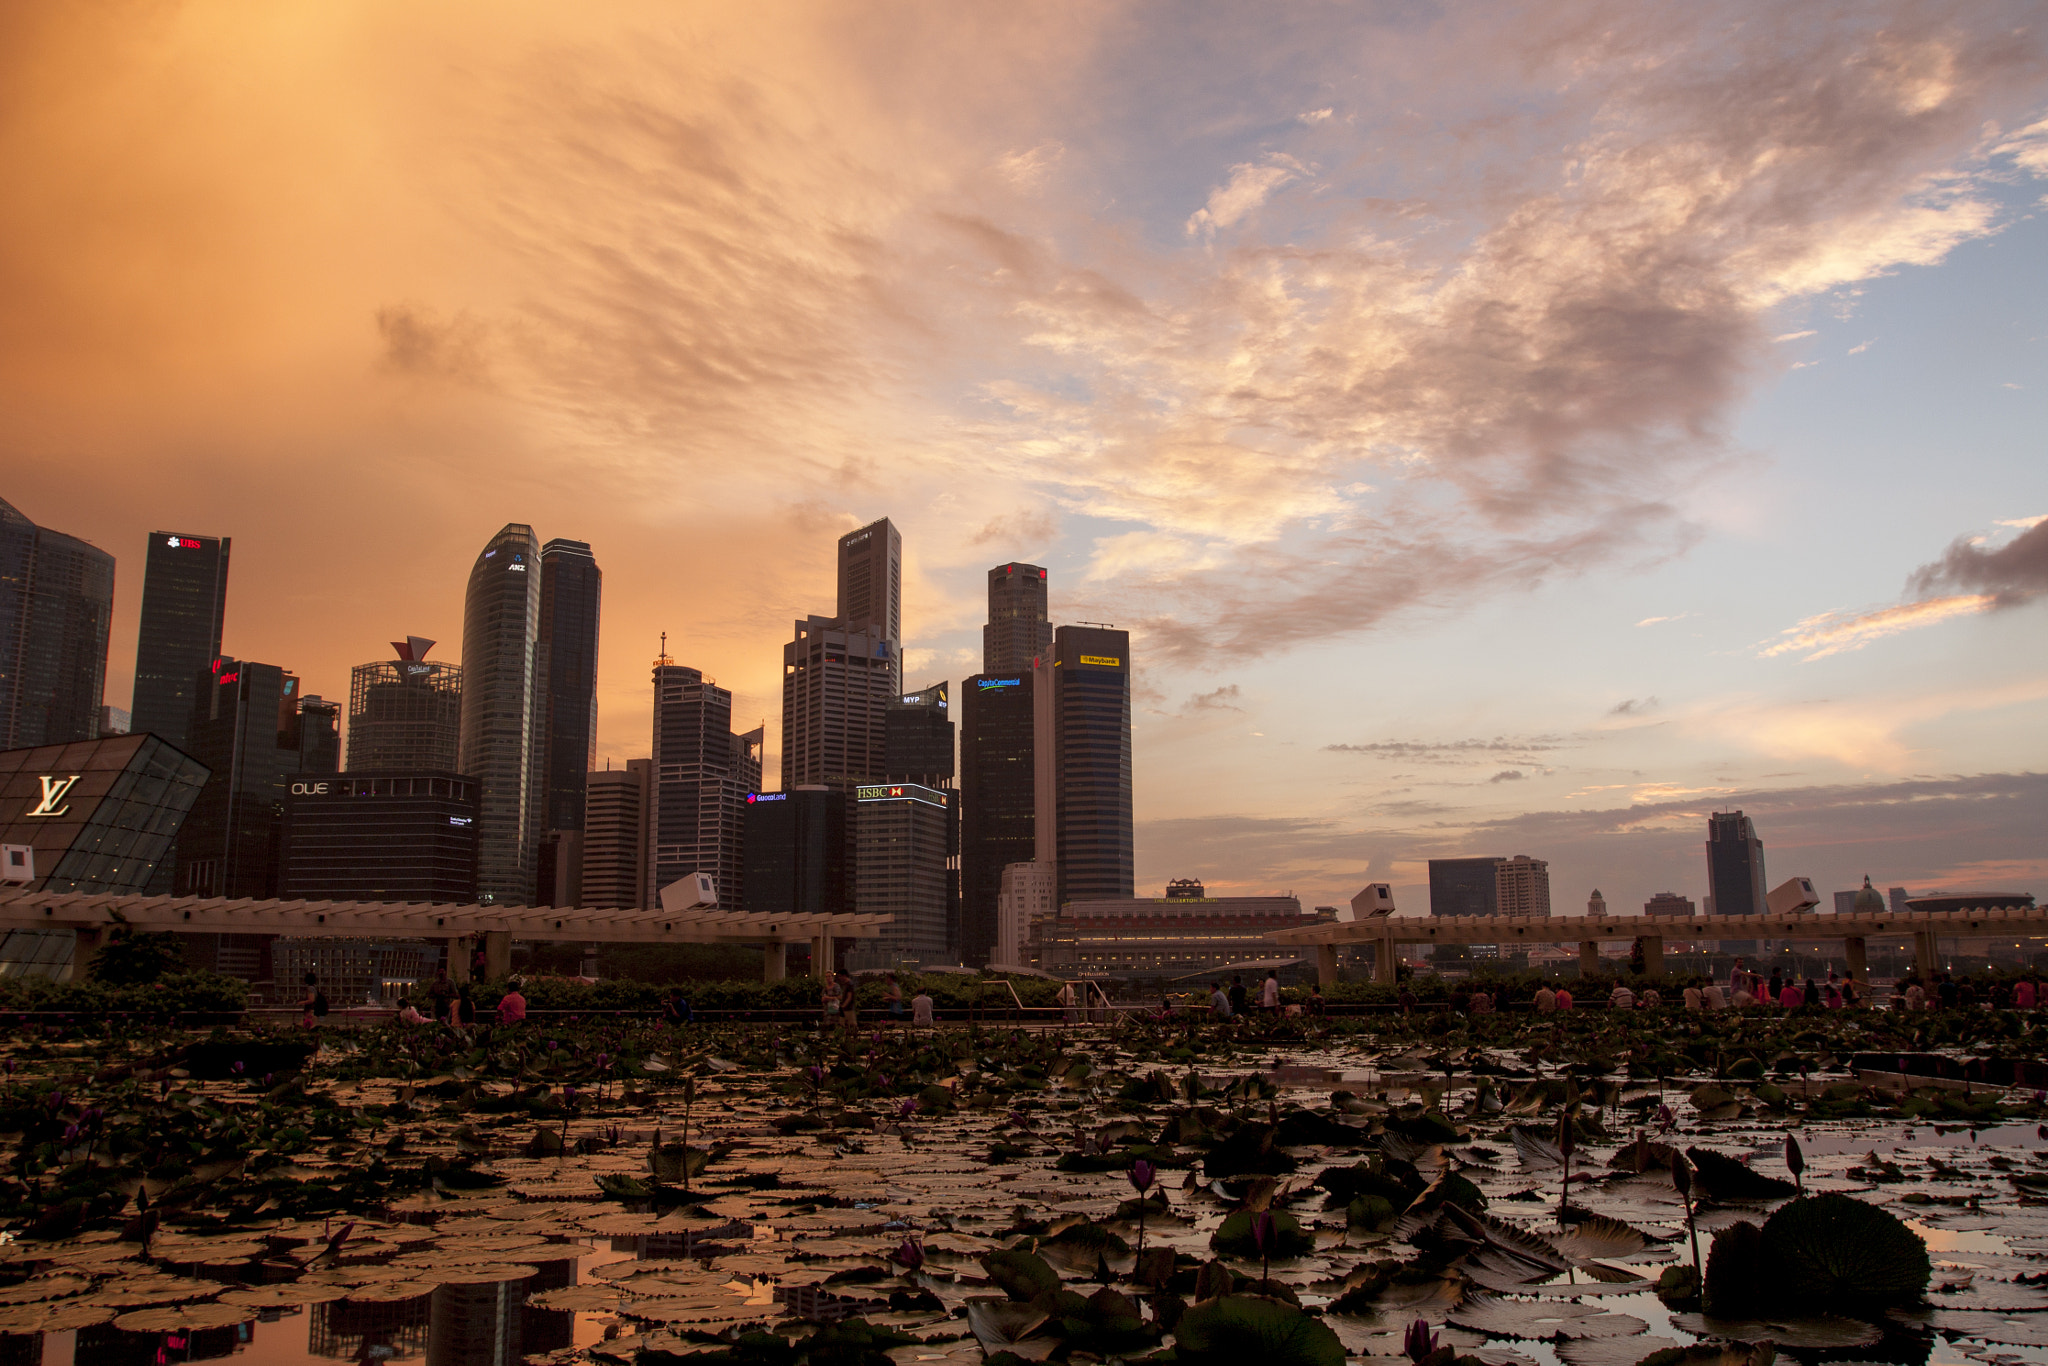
x: 182, y: 993
x: 949, y: 991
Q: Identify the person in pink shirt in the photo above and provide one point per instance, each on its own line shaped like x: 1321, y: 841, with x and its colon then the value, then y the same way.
x: 2023, y: 994
x: 512, y: 1008
x: 1791, y: 998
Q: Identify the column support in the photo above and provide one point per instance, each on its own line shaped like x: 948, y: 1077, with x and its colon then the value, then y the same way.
x: 1926, y: 956
x: 774, y: 961
x: 1589, y: 958
x: 1653, y: 955
x: 497, y: 953
x: 1859, y: 959
x: 1326, y: 965
x: 85, y: 942
x: 1383, y: 961
x: 457, y: 953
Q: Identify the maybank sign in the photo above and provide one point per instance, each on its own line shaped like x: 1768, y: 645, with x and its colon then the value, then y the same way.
x: 1106, y: 661
x: 899, y: 792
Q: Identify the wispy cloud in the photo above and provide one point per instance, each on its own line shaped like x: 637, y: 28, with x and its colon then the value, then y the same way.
x: 1633, y: 706
x: 1831, y: 633
x: 1653, y: 621
x: 1248, y: 187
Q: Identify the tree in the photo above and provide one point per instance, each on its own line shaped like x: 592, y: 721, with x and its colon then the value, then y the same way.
x: 130, y: 958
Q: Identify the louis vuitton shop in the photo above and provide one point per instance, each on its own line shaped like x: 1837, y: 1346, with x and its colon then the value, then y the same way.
x: 93, y: 816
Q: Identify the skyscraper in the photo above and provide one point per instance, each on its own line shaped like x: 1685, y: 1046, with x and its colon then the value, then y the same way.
x: 796, y: 852
x: 566, y: 674
x: 405, y: 714
x: 1735, y: 865
x: 1018, y: 629
x: 917, y: 738
x: 56, y: 598
x: 1463, y: 886
x: 871, y: 581
x: 998, y: 798
x: 902, y: 842
x: 500, y: 622
x: 616, y: 858
x: 701, y: 778
x: 836, y: 688
x: 1092, y: 730
x: 247, y: 728
x: 184, y: 602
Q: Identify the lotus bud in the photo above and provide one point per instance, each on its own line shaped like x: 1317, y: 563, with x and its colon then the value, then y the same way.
x: 1681, y: 1174
x: 817, y: 1075
x: 909, y: 1255
x: 1795, y: 1160
x: 1419, y: 1341
x: 907, y: 1108
x: 239, y: 1065
x: 1262, y: 1229
x: 1141, y: 1175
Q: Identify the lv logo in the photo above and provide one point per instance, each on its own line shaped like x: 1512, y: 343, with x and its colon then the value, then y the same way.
x: 54, y: 790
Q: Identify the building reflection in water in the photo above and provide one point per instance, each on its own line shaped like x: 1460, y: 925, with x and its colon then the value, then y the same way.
x: 106, y: 1345
x: 346, y: 1331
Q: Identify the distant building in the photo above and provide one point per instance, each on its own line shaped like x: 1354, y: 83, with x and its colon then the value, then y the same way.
x: 1522, y: 886
x: 500, y: 624
x: 1029, y: 898
x: 616, y: 848
x: 565, y: 687
x: 1668, y: 903
x: 56, y: 602
x: 1091, y: 721
x: 1165, y: 936
x: 1596, y: 904
x: 902, y: 843
x: 353, y: 972
x: 113, y: 721
x: 405, y: 714
x: 319, y: 741
x: 1972, y: 901
x: 796, y: 851
x: 381, y: 837
x: 1735, y: 865
x: 184, y: 601
x: 871, y: 585
x: 1897, y: 898
x: 999, y: 796
x: 1019, y: 630
x: 701, y: 777
x: 248, y: 729
x: 1463, y: 886
x: 917, y: 738
x: 837, y: 683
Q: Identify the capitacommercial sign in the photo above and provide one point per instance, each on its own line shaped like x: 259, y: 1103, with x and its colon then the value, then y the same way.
x: 55, y: 796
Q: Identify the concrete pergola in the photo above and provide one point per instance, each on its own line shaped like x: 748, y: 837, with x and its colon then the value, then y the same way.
x: 1385, y: 933
x: 91, y: 916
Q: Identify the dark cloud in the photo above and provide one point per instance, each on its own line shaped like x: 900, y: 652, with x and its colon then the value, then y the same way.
x: 2014, y: 573
x: 1508, y: 775
x: 1220, y: 699
x: 1634, y: 706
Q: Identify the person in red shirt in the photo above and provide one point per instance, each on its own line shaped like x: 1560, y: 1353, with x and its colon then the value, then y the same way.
x: 1564, y: 998
x: 512, y: 1007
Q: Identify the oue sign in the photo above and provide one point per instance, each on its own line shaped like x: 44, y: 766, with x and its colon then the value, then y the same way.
x: 309, y: 789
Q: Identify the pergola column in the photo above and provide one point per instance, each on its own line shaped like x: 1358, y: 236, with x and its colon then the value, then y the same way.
x: 1326, y: 965
x: 1653, y: 955
x: 85, y: 942
x: 1383, y: 961
x: 1589, y: 958
x: 457, y: 953
x: 1859, y: 958
x: 497, y: 953
x: 1926, y: 954
x: 774, y: 961
x: 821, y: 954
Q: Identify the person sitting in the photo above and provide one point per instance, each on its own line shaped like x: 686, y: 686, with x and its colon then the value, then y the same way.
x: 1315, y: 999
x: 921, y: 1008
x: 1692, y: 998
x: 1546, y: 999
x: 2023, y: 994
x: 1713, y: 997
x: 409, y: 1013
x: 1219, y: 1003
x: 675, y: 1008
x: 512, y: 1005
x: 1650, y: 999
x: 1621, y: 998
x: 1564, y: 997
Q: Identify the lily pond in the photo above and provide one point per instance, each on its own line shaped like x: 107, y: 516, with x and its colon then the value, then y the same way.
x: 1512, y: 1190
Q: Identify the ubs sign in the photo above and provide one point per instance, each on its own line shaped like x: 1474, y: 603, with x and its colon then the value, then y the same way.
x: 56, y: 790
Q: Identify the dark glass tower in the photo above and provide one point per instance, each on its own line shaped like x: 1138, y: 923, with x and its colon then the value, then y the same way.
x: 1018, y: 630
x: 56, y: 599
x: 247, y: 729
x: 795, y: 852
x: 871, y: 581
x: 998, y: 824
x: 1092, y: 735
x: 917, y: 738
x: 500, y: 622
x: 703, y: 774
x: 184, y: 601
x: 1735, y: 864
x: 565, y: 665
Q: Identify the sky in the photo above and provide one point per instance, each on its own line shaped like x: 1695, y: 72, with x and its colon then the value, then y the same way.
x: 1503, y: 428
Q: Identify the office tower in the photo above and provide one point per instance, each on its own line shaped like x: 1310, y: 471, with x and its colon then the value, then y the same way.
x: 500, y: 621
x: 1463, y: 886
x: 902, y: 844
x: 917, y: 738
x: 1028, y: 899
x: 565, y: 672
x: 1522, y: 886
x: 795, y: 852
x: 1092, y: 729
x: 836, y: 688
x: 56, y: 598
x: 871, y: 582
x: 1018, y: 630
x: 247, y: 729
x: 1668, y: 903
x: 405, y: 714
x: 184, y: 601
x: 1895, y: 897
x: 113, y: 721
x: 702, y: 776
x: 1735, y: 864
x: 380, y: 837
x: 998, y: 798
x: 616, y: 854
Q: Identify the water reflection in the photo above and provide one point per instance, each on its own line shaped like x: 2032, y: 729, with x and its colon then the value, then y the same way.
x: 345, y: 1330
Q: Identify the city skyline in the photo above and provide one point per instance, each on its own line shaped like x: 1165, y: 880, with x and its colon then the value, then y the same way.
x: 1742, y: 515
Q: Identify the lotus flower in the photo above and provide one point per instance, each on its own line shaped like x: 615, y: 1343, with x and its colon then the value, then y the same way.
x: 1665, y: 1119
x: 1419, y: 1341
x: 1141, y: 1175
x: 604, y: 1060
x: 910, y: 1255
x: 817, y: 1075
x: 239, y: 1065
x: 907, y: 1108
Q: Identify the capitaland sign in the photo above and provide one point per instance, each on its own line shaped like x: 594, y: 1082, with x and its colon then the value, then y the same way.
x: 1106, y: 661
x: 753, y: 797
x: 56, y: 792
x: 309, y: 789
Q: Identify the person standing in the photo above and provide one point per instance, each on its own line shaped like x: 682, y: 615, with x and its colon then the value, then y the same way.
x: 893, y: 995
x: 921, y: 1009
x: 1219, y: 1003
x: 1237, y: 994
x: 440, y: 994
x: 1269, y: 994
x: 849, y: 1012
x: 1066, y: 1002
x: 313, y: 1006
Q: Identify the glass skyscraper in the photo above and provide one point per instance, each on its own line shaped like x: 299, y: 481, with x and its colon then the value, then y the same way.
x: 1018, y: 629
x: 1092, y: 732
x: 871, y: 582
x: 247, y: 727
x: 703, y: 774
x: 405, y: 714
x: 1735, y: 864
x: 184, y: 601
x: 565, y: 672
x: 56, y: 599
x: 500, y: 624
x: 998, y: 807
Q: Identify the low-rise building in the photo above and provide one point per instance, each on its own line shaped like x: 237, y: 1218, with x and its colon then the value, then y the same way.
x: 1163, y: 936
